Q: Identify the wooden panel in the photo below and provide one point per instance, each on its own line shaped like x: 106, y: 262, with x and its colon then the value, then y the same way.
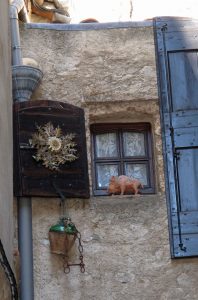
x: 178, y: 42
x: 186, y: 137
x: 185, y: 119
x: 176, y: 33
x: 177, y: 56
x: 183, y: 78
x: 176, y: 24
x: 31, y: 178
x: 190, y: 242
x: 187, y: 164
x: 188, y: 220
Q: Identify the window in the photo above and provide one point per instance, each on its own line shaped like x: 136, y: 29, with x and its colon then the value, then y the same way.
x: 122, y: 149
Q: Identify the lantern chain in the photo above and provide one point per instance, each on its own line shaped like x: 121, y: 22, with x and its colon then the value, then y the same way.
x: 67, y: 265
x: 80, y: 249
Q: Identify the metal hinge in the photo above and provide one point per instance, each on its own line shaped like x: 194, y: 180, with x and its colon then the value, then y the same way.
x: 164, y: 27
x: 176, y: 154
x: 171, y: 131
x: 25, y: 146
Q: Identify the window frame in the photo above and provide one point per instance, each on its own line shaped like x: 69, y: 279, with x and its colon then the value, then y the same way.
x: 119, y: 128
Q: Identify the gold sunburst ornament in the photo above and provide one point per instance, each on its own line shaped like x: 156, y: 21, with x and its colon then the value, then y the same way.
x: 52, y: 147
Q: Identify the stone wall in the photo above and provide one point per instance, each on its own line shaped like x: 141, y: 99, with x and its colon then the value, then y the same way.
x: 126, y: 252
x: 111, y: 74
x: 6, y: 194
x: 93, y: 66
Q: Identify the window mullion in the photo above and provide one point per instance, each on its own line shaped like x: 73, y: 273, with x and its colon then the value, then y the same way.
x: 121, y: 152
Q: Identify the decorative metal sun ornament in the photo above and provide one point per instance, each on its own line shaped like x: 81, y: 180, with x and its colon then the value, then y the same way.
x: 53, y: 148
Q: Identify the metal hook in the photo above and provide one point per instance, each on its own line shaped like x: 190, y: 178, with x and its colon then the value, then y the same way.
x: 62, y: 197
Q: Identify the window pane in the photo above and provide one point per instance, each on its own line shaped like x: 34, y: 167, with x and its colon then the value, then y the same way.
x: 104, y: 172
x: 106, y: 145
x: 133, y: 144
x: 138, y: 171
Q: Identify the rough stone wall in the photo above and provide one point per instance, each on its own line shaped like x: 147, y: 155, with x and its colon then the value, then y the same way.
x: 111, y: 74
x: 101, y: 65
x: 6, y: 195
x: 126, y: 252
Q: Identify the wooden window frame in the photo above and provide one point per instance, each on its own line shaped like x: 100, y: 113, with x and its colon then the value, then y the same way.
x: 118, y: 128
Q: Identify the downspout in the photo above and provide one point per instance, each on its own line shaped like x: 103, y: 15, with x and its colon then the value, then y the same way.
x: 16, y: 7
x: 24, y: 81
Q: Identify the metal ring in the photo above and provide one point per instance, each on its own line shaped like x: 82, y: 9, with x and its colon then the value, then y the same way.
x: 67, y: 270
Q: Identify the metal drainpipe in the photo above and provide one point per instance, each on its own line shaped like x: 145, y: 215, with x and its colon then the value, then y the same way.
x: 16, y: 7
x: 26, y: 289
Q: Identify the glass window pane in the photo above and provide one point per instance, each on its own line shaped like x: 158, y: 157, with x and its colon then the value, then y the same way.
x: 138, y: 171
x: 104, y: 172
x: 106, y: 145
x: 133, y: 144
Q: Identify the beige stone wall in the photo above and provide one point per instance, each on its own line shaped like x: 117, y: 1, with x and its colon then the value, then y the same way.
x: 126, y: 252
x: 111, y: 74
x: 99, y: 66
x: 6, y: 190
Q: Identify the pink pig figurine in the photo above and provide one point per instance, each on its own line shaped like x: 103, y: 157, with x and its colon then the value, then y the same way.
x: 124, y: 184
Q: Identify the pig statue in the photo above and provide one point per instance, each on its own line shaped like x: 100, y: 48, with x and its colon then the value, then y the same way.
x: 114, y: 186
x: 124, y: 184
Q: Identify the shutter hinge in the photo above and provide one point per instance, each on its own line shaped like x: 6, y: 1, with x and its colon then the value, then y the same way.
x: 164, y: 27
x: 182, y: 247
x: 25, y: 146
x: 176, y: 154
x: 171, y: 131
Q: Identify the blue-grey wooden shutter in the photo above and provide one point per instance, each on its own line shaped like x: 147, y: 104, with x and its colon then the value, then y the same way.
x: 177, y: 62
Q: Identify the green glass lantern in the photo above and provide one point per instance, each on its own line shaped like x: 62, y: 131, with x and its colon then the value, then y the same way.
x: 62, y: 236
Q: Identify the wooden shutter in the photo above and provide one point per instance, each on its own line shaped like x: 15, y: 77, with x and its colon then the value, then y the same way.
x: 32, y: 178
x: 177, y: 61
